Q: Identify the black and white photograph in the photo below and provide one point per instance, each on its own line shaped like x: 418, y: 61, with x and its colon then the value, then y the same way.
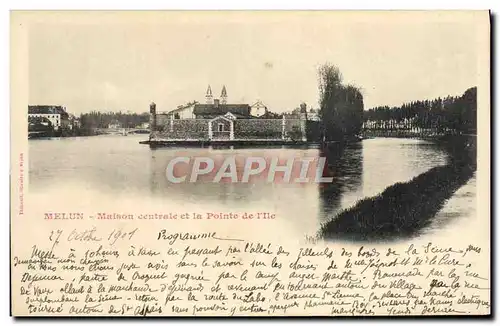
x: 348, y: 150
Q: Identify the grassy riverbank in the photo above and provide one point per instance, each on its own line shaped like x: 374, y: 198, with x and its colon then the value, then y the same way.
x: 405, y: 208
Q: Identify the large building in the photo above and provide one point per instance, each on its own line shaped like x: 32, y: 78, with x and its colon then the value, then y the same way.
x: 218, y: 120
x: 56, y: 114
x: 216, y: 107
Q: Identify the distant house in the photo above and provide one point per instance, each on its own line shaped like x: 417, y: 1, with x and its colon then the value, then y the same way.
x: 74, y: 122
x: 115, y: 124
x: 77, y: 123
x: 183, y: 111
x: 56, y: 114
x: 258, y: 109
x: 144, y: 125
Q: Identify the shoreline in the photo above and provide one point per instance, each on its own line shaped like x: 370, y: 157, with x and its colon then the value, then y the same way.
x: 206, y: 143
x: 405, y: 208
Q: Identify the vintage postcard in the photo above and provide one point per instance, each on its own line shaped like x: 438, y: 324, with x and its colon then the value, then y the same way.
x: 239, y: 163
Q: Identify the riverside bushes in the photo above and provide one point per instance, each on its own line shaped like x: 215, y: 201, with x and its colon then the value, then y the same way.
x: 404, y: 208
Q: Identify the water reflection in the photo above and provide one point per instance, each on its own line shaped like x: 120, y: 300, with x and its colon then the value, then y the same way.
x: 122, y: 168
x: 207, y: 188
x: 345, y: 165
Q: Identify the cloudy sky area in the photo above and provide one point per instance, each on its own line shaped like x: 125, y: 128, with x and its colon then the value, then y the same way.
x: 124, y: 61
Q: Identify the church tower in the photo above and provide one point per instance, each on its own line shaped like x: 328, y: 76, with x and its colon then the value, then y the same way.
x: 209, y: 97
x: 223, y: 95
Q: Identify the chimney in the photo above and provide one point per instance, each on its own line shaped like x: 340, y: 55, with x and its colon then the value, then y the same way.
x: 216, y: 103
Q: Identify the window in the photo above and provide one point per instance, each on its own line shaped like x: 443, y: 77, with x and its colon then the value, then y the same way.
x: 221, y: 127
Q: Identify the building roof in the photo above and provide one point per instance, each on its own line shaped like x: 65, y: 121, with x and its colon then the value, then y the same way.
x: 221, y: 109
x: 182, y: 107
x: 259, y: 104
x: 47, y: 109
x: 178, y: 110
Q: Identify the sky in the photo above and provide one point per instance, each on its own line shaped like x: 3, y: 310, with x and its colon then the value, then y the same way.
x: 123, y: 61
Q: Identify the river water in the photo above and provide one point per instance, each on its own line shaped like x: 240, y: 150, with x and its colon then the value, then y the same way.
x: 119, y: 169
